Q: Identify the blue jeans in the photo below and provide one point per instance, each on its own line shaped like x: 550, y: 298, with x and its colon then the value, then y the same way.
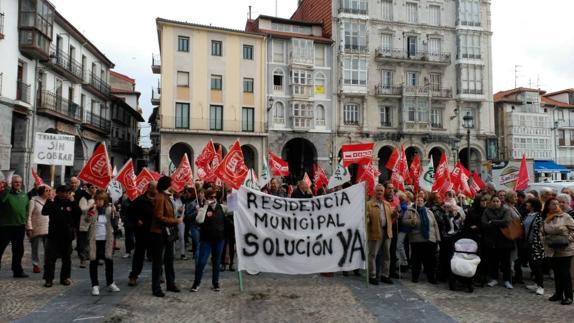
x: 215, y: 248
x: 195, y: 240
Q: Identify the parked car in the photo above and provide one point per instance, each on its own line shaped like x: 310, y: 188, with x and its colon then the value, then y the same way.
x: 556, y: 187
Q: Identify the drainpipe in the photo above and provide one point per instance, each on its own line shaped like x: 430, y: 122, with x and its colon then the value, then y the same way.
x: 30, y: 140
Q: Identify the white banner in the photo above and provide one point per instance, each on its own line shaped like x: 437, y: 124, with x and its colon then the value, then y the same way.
x: 53, y: 149
x: 301, y: 236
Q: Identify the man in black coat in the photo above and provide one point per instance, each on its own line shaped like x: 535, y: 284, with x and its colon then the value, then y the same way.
x: 303, y: 191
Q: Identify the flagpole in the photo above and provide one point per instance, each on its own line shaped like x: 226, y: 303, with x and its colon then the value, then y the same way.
x: 366, y: 238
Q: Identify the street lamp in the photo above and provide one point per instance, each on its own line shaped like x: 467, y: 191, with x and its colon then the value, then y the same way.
x: 468, y: 123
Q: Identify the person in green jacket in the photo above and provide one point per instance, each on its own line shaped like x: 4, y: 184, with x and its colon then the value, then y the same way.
x: 13, y: 216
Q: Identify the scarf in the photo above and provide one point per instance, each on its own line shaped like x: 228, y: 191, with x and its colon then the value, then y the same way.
x: 424, y: 222
x: 551, y: 216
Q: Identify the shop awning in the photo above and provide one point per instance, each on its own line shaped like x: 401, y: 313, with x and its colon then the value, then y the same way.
x: 548, y: 166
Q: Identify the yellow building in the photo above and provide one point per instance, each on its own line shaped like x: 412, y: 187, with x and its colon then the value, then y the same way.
x: 212, y: 87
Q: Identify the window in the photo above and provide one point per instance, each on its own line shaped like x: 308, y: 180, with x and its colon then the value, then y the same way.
x: 434, y: 15
x: 387, y: 9
x: 216, y: 47
x: 561, y: 138
x: 182, y: 115
x: 355, y: 36
x: 387, y: 42
x: 436, y: 118
x: 412, y: 78
x: 182, y: 44
x: 435, y: 48
x: 278, y: 51
x: 182, y: 79
x: 354, y: 6
x: 278, y: 80
x: 302, y: 115
x: 411, y: 46
x: 320, y: 84
x: 320, y: 116
x: 469, y: 12
x: 387, y: 79
x: 436, y: 81
x: 300, y: 81
x: 319, y: 55
x: 216, y: 82
x: 248, y: 52
x: 216, y: 117
x: 302, y: 51
x: 355, y: 71
x: 470, y: 79
x: 385, y: 115
x: 412, y: 12
x: 417, y: 109
x: 351, y: 114
x: 248, y: 85
x: 469, y: 46
x: 247, y: 119
x: 279, y: 114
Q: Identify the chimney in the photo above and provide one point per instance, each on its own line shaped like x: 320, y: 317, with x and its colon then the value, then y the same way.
x: 249, y: 12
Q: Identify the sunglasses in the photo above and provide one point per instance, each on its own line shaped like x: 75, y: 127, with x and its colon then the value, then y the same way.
x: 213, y: 197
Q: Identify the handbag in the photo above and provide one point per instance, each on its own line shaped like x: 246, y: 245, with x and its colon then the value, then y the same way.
x: 557, y: 241
x: 514, y: 230
x: 171, y: 233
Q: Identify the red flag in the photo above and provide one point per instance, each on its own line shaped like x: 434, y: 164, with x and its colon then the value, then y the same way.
x: 522, y: 179
x: 319, y: 177
x: 307, y: 180
x: 182, y: 175
x: 156, y: 175
x: 393, y: 159
x: 37, y: 180
x: 416, y: 171
x: 289, y: 190
x: 459, y: 180
x: 357, y: 154
x: 442, y: 182
x: 397, y: 181
x: 127, y: 178
x: 403, y: 167
x: 368, y: 174
x: 203, y: 161
x: 232, y: 170
x: 143, y: 180
x: 455, y: 177
x: 278, y: 166
x: 97, y: 170
x: 476, y: 183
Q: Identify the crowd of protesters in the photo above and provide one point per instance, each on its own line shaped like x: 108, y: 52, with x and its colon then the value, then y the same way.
x: 406, y: 231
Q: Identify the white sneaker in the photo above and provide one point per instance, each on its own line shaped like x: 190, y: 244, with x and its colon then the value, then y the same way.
x: 508, y: 285
x: 492, y: 283
x: 532, y: 287
x: 113, y: 287
x: 96, y: 291
x: 539, y: 291
x: 127, y: 255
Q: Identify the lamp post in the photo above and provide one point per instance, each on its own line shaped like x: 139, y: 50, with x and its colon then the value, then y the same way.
x: 468, y: 123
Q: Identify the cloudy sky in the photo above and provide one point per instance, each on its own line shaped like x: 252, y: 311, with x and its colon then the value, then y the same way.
x: 536, y: 37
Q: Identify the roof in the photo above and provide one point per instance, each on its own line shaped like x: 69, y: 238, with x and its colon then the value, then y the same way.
x: 215, y: 28
x: 291, y: 21
x: 123, y: 77
x: 503, y: 96
x: 89, y: 45
x: 550, y: 101
x: 253, y: 26
x: 316, y: 10
x: 570, y: 90
x: 295, y: 35
x: 127, y: 107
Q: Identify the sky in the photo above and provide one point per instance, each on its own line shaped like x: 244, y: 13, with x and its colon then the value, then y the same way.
x: 535, y: 37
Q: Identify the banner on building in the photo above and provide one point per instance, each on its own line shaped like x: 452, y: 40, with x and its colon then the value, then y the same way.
x: 53, y: 149
x: 301, y: 236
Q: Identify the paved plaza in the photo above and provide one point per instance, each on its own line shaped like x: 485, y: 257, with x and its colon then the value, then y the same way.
x: 267, y: 298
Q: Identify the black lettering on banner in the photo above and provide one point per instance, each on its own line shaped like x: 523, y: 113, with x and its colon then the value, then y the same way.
x: 320, y: 220
x: 268, y: 246
x: 276, y: 204
x: 251, y: 199
x: 328, y: 206
x: 357, y: 246
x: 297, y: 247
x: 286, y: 223
x: 260, y: 218
x: 287, y: 251
x: 264, y: 202
x: 274, y: 222
x: 317, y: 247
x: 344, y: 198
x: 251, y: 241
x: 303, y: 206
x: 331, y: 221
x: 316, y: 204
x: 339, y: 223
x: 345, y: 242
x: 278, y: 253
x: 293, y: 206
x: 304, y: 224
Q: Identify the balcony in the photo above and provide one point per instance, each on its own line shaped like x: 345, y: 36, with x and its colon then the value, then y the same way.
x: 121, y: 145
x: 97, y: 86
x: 419, y: 57
x: 302, y: 123
x: 416, y: 90
x: 389, y: 91
x: 155, y: 95
x: 35, y: 23
x: 23, y: 92
x: 441, y: 93
x: 156, y: 64
x: 54, y: 105
x: 65, y: 65
x: 356, y: 49
x: 354, y: 11
x: 300, y: 91
x: 97, y: 123
x: 1, y: 25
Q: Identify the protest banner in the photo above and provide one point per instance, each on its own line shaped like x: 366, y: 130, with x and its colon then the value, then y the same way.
x: 53, y: 149
x: 301, y: 236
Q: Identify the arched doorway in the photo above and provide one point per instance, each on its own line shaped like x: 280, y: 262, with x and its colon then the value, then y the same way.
x: 250, y: 157
x: 384, y: 155
x: 176, y: 153
x: 411, y: 152
x: 223, y: 149
x: 474, y: 159
x: 434, y: 155
x: 353, y: 168
x: 301, y: 155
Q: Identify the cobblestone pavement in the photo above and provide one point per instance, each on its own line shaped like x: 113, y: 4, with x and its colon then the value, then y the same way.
x: 267, y: 298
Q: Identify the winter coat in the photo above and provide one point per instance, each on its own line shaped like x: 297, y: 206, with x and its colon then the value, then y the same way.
x: 562, y: 224
x: 416, y: 236
x: 37, y: 223
x: 141, y: 213
x: 93, y: 218
x: 62, y: 213
x: 492, y: 221
x: 13, y: 208
x: 85, y: 203
x: 533, y: 237
x: 163, y: 214
x: 374, y: 225
x: 212, y: 222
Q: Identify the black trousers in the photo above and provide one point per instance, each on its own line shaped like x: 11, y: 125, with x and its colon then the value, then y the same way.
x: 522, y: 260
x: 15, y: 236
x: 445, y: 255
x: 499, y: 258
x: 229, y: 246
x: 423, y: 253
x: 562, y: 278
x: 536, y: 269
x: 394, y: 240
x: 162, y: 256
x: 58, y: 249
x: 129, y: 238
x: 82, y: 246
x: 141, y: 246
x: 101, y: 254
